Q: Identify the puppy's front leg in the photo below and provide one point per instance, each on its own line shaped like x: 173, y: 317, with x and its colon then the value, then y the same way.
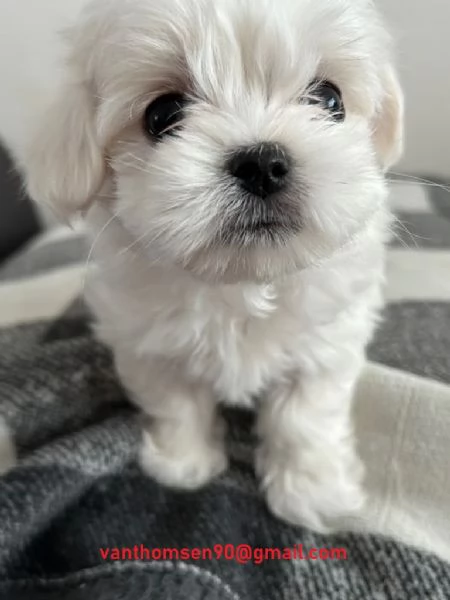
x: 182, y: 442
x: 307, y: 458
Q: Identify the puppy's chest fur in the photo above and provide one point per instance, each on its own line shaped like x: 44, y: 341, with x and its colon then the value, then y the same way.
x: 237, y: 338
x: 240, y: 338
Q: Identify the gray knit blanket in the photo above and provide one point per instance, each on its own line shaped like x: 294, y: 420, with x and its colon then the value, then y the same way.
x: 78, y: 520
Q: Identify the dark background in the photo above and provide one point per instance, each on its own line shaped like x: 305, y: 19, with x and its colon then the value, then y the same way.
x: 18, y: 219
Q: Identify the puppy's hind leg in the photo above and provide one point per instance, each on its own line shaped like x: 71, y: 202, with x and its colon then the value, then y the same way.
x: 182, y: 443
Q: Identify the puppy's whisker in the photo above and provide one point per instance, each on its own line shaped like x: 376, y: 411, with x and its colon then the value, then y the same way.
x: 142, y: 165
x: 138, y: 241
x: 94, y: 245
x: 136, y: 157
x: 130, y: 165
x: 439, y: 186
x: 398, y: 237
x: 411, y: 179
x: 400, y: 224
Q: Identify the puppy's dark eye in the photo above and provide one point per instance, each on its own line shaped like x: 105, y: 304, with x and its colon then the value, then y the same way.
x: 329, y: 96
x: 164, y: 115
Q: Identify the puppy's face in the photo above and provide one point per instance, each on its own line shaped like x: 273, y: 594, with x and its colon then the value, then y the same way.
x: 240, y: 139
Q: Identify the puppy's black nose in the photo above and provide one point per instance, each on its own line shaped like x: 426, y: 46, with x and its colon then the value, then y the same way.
x: 262, y: 169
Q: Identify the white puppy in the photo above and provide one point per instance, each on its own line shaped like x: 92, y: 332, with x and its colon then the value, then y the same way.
x: 231, y: 155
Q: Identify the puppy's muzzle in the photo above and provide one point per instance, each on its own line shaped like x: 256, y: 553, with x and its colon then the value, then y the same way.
x: 261, y: 170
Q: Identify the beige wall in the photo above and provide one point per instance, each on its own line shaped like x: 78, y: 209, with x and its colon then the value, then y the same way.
x: 422, y: 31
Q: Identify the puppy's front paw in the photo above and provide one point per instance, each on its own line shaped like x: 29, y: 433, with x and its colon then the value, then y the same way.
x: 182, y: 466
x: 315, y: 495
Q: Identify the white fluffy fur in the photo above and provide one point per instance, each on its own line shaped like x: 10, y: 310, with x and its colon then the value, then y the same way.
x: 192, y: 321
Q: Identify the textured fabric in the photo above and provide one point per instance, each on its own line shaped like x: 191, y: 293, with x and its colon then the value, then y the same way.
x: 415, y: 336
x: 77, y: 487
x: 402, y: 423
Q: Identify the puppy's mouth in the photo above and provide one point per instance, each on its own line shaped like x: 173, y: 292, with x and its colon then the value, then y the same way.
x: 256, y: 232
x: 261, y: 226
x: 250, y: 221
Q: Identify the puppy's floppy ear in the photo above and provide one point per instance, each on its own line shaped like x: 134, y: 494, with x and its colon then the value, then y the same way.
x: 388, y: 125
x: 64, y: 165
